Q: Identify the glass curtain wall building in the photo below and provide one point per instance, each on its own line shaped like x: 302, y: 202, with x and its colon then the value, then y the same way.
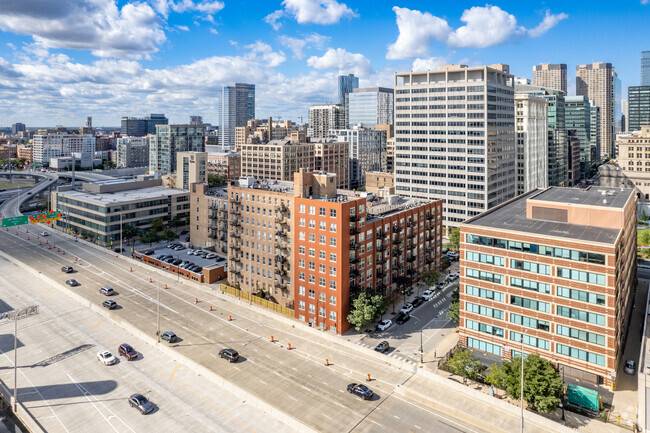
x: 370, y: 106
x: 638, y: 107
x: 645, y: 68
x: 236, y: 108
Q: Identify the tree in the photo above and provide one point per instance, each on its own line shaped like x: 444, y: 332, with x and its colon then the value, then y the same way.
x: 84, y: 235
x: 157, y: 225
x: 129, y: 232
x: 365, y: 308
x: 454, y: 239
x: 453, y: 313
x: 464, y: 364
x: 644, y: 216
x: 644, y: 237
x: 177, y: 222
x: 215, y: 180
x: 150, y: 236
x: 430, y: 277
x: 393, y: 297
x: 167, y: 235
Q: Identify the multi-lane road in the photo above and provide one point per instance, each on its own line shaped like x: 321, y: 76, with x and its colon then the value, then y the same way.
x: 296, y: 382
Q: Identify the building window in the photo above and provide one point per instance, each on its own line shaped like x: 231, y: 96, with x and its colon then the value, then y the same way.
x: 312, y: 266
x: 301, y: 208
x: 321, y: 281
x: 301, y: 263
x: 312, y: 224
x: 301, y: 290
x: 530, y: 285
x: 332, y: 284
x: 301, y: 222
x: 312, y: 294
x: 312, y: 210
x: 333, y: 257
x: 482, y: 327
x: 332, y: 242
x: 580, y: 354
x: 312, y: 278
x: 580, y: 295
x: 584, y: 316
x: 530, y: 340
x: 529, y: 322
x: 312, y: 237
x: 312, y: 308
x: 321, y: 254
x: 484, y: 293
x: 312, y: 252
x: 537, y: 268
x: 333, y: 227
x: 485, y: 276
x: 322, y: 239
x: 586, y: 277
x: 301, y: 276
x: 301, y: 305
x: 321, y: 311
x: 579, y: 334
x: 332, y: 271
x: 321, y: 268
x: 332, y: 300
x: 484, y: 258
x: 333, y: 317
x: 483, y: 346
x: 529, y: 303
x: 321, y: 211
x: 322, y: 225
x: 301, y: 236
x: 301, y: 249
x: 332, y: 213
x: 483, y: 311
x: 321, y: 296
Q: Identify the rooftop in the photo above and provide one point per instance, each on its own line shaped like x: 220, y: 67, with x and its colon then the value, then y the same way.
x: 123, y: 196
x: 381, y: 207
x: 511, y: 215
x: 267, y: 185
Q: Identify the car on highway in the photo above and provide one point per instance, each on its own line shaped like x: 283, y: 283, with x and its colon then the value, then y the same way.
x: 72, y: 283
x: 426, y: 295
x: 169, y: 336
x: 110, y: 304
x: 107, y: 291
x: 127, y: 351
x: 360, y: 390
x: 384, y: 325
x: 402, y: 318
x: 417, y: 302
x: 407, y: 308
x: 45, y: 234
x: 67, y: 269
x: 630, y: 366
x: 141, y: 403
x: 106, y: 357
x: 382, y: 347
x: 230, y: 354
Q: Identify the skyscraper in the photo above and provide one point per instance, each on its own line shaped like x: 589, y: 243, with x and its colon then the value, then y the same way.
x: 347, y: 83
x: 443, y: 149
x: 324, y: 117
x: 171, y: 139
x: 578, y: 118
x: 618, y: 90
x: 638, y: 107
x: 625, y: 115
x: 237, y: 106
x: 532, y: 142
x: 369, y: 107
x: 645, y: 68
x: 367, y: 150
x: 196, y: 120
x: 89, y: 122
x: 597, y: 82
x: 134, y: 127
x: 17, y: 127
x: 550, y: 75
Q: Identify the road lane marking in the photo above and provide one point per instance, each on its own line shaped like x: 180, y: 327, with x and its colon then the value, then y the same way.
x: 45, y: 291
x: 174, y: 373
x: 98, y: 323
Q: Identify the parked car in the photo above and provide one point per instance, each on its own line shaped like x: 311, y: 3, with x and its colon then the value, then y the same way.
x: 384, y: 325
x: 630, y: 366
x: 72, y: 283
x: 211, y: 256
x: 426, y: 295
x: 402, y: 318
x: 407, y: 308
x: 230, y: 354
x: 417, y: 302
x: 169, y: 336
x: 45, y: 234
x: 190, y: 252
x: 177, y: 262
x: 141, y: 403
x: 117, y: 250
x: 106, y: 357
x: 127, y: 351
x: 382, y: 347
x: 67, y: 269
x: 360, y: 390
x: 441, y: 285
x: 110, y: 304
x: 148, y: 252
x: 107, y: 291
x: 180, y: 247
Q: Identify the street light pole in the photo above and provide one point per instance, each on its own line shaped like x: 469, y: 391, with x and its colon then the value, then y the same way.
x: 521, y: 396
x: 421, y: 348
x: 158, y: 310
x: 121, y: 237
x: 15, y: 363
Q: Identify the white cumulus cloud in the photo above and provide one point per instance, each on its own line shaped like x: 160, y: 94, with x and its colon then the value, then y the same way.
x: 343, y: 61
x: 209, y: 7
x: 416, y: 32
x: 485, y: 26
x: 311, y: 12
x: 549, y: 21
x: 266, y: 54
x: 183, y: 28
x: 430, y: 64
x: 297, y: 45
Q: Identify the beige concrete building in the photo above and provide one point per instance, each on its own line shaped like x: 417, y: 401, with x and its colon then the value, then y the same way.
x: 596, y: 82
x: 380, y: 183
x: 209, y: 217
x: 390, y: 155
x: 334, y: 157
x: 632, y: 169
x: 191, y: 167
x: 276, y: 160
x: 323, y: 118
x: 263, y: 131
x: 226, y: 164
x: 532, y: 142
x: 550, y: 75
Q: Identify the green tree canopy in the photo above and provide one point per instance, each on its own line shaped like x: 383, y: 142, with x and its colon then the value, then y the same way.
x: 168, y: 235
x: 453, y: 313
x: 430, y: 277
x: 150, y: 236
x: 454, y: 239
x: 365, y: 308
x: 157, y: 225
x: 464, y: 364
x: 129, y: 232
x: 177, y: 222
x: 215, y: 180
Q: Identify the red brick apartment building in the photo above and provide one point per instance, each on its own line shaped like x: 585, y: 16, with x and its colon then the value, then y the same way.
x: 556, y: 267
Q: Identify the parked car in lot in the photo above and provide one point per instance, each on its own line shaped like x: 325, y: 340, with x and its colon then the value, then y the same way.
x: 441, y: 285
x: 106, y: 357
x: 72, y: 283
x: 360, y: 390
x: 169, y: 336
x: 148, y: 252
x: 117, y: 250
x: 141, y: 403
x: 382, y: 347
x: 402, y: 318
x: 107, y: 291
x: 230, y: 354
x: 127, y: 351
x: 110, y: 304
x: 417, y: 302
x: 407, y: 308
x: 384, y: 325
x: 630, y: 366
x: 426, y: 295
x: 67, y: 269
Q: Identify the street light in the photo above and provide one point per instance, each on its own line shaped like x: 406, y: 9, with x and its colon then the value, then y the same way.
x: 522, y: 381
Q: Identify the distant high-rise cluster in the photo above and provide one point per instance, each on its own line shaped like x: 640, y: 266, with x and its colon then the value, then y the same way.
x: 237, y: 106
x: 135, y: 127
x: 597, y: 82
x: 550, y: 75
x: 645, y: 68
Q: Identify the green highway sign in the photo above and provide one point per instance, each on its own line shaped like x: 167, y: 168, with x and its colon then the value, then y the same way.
x: 15, y: 221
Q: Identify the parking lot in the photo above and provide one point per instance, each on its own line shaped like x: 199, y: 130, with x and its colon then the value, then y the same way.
x: 187, y: 256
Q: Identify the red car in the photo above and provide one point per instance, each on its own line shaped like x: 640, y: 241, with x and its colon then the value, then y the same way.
x: 128, y: 352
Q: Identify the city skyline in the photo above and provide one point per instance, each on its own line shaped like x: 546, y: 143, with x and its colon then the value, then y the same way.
x: 174, y: 57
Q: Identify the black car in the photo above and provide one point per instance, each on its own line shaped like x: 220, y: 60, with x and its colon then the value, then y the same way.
x: 110, y: 304
x: 382, y: 347
x: 177, y: 262
x: 67, y: 269
x: 402, y: 318
x: 72, y: 283
x: 117, y: 250
x: 417, y: 302
x: 141, y: 403
x: 169, y: 336
x: 148, y: 252
x: 360, y: 390
x: 229, y: 354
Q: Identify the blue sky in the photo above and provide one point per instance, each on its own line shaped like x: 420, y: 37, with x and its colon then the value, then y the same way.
x: 63, y: 60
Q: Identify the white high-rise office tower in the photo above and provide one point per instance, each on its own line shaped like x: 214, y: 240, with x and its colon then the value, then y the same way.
x: 532, y: 142
x: 550, y: 75
x: 597, y: 82
x: 455, y: 138
x: 369, y: 107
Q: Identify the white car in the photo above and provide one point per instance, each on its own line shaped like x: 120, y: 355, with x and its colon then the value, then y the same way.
x: 384, y: 325
x: 427, y: 294
x: 44, y: 234
x: 407, y: 308
x: 106, y: 357
x: 190, y: 252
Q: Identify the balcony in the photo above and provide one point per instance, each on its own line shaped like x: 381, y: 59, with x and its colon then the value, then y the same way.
x: 354, y: 273
x: 380, y: 260
x: 354, y: 260
x: 354, y: 218
x: 235, y: 222
x: 223, y: 238
x: 411, y: 259
x: 354, y: 231
x: 381, y: 248
x: 235, y: 234
x: 429, y: 217
x: 397, y: 241
x: 353, y: 245
x: 380, y: 274
x: 354, y: 289
x: 397, y: 252
x: 410, y: 224
x: 396, y: 229
x: 412, y: 235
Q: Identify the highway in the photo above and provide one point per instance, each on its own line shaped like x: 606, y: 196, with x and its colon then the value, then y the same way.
x: 296, y: 381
